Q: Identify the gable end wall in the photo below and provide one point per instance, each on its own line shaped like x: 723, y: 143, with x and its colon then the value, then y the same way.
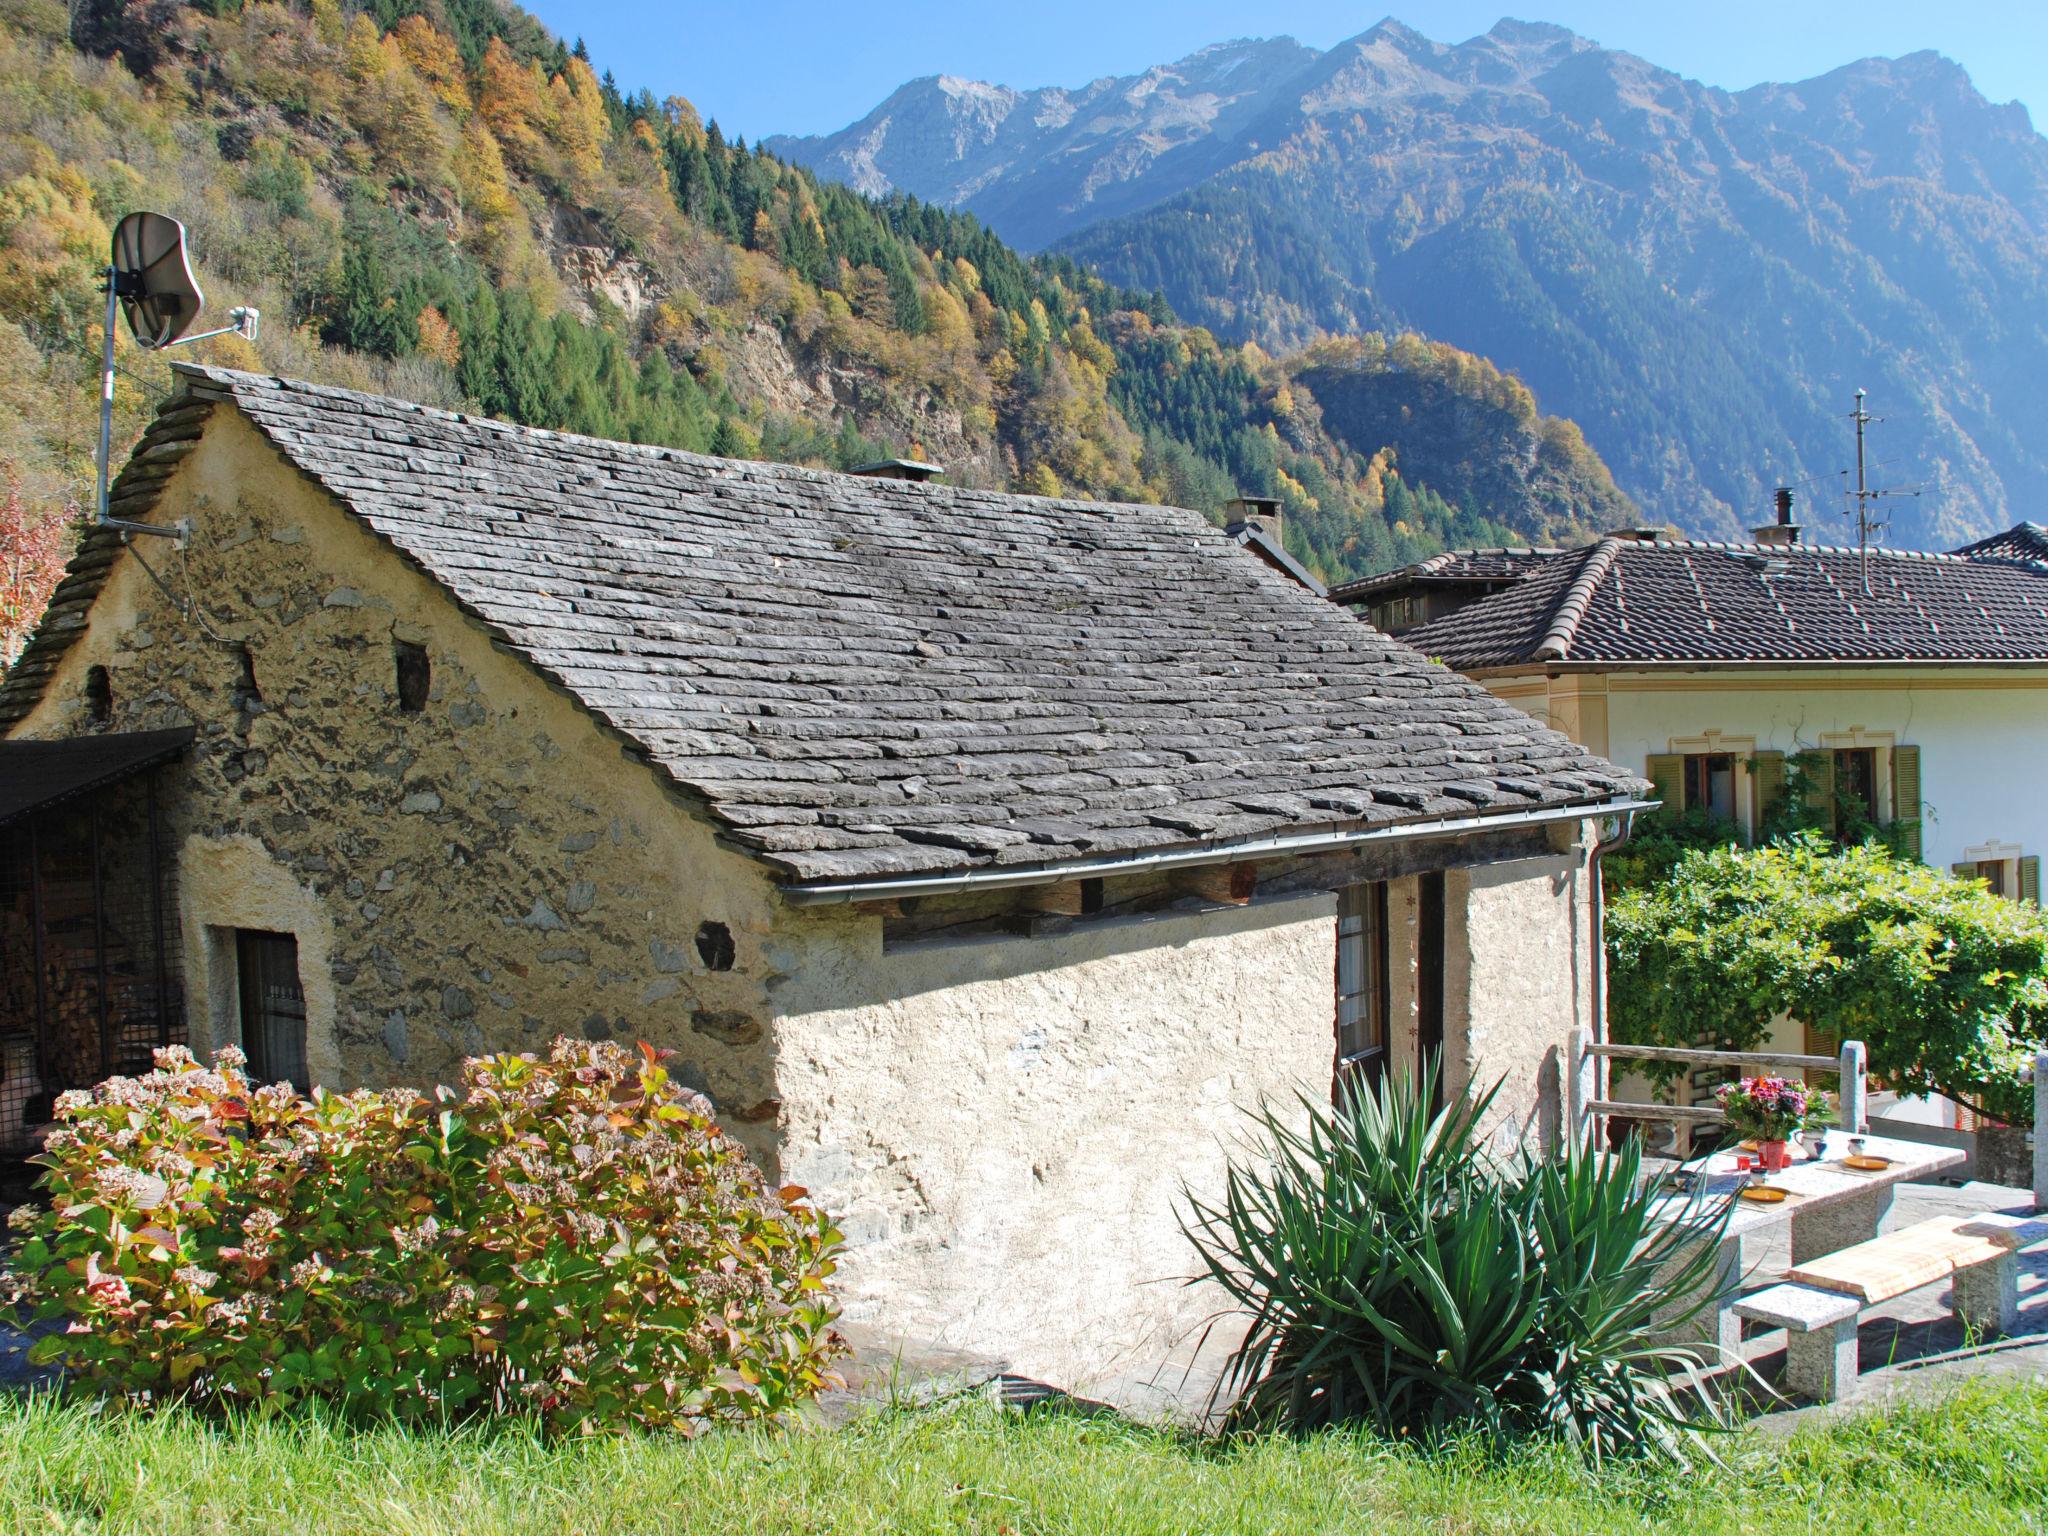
x: 479, y: 876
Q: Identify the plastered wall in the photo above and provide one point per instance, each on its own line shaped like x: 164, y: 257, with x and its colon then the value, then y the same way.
x: 1980, y: 731
x: 1525, y: 932
x: 1006, y: 1124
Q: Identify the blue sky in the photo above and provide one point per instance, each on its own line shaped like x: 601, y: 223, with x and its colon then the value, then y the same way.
x: 808, y: 66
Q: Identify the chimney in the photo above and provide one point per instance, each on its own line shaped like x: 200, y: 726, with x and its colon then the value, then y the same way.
x: 898, y: 469
x: 1784, y: 531
x: 1262, y: 511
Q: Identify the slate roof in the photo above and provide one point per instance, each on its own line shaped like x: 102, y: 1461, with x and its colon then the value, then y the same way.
x: 860, y: 678
x: 1269, y: 549
x: 1627, y: 601
x: 1454, y: 567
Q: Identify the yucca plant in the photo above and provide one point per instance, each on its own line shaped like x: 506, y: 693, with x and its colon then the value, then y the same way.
x: 1394, y: 1273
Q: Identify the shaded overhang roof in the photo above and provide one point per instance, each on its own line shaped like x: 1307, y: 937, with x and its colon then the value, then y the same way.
x: 35, y: 775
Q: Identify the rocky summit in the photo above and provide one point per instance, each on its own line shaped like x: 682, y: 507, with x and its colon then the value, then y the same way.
x: 1700, y: 278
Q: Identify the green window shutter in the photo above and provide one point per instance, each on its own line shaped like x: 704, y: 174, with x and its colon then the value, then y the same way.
x: 1820, y: 785
x: 2030, y: 878
x: 1766, y: 787
x: 1906, y: 799
x: 1666, y: 770
x: 1963, y: 871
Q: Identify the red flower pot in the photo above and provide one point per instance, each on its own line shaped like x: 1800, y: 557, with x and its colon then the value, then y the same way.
x: 1776, y: 1156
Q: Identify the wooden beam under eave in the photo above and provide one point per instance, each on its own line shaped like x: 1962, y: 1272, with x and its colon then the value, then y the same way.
x: 1227, y: 885
x: 1061, y: 900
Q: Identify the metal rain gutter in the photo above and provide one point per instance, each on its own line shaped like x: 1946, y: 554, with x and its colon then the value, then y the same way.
x: 1488, y: 671
x: 826, y: 893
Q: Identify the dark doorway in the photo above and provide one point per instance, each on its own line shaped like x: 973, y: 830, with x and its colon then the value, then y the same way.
x: 1429, y: 976
x: 273, y: 1006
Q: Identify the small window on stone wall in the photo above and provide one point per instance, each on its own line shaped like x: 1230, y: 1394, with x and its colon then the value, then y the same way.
x: 715, y: 946
x: 99, y: 695
x: 246, y: 695
x: 415, y: 676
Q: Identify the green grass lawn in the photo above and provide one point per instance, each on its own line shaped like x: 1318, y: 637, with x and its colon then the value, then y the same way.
x: 1974, y: 1463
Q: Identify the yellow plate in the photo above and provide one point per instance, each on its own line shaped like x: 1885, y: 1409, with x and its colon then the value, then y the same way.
x: 1766, y: 1194
x: 1868, y: 1164
x: 1749, y: 1146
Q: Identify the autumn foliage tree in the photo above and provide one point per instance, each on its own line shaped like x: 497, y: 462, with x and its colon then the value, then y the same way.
x: 33, y: 550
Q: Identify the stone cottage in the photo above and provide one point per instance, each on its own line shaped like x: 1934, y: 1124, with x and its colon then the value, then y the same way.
x: 980, y: 855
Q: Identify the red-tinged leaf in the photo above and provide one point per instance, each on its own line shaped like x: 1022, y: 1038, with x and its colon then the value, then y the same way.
x: 793, y: 1192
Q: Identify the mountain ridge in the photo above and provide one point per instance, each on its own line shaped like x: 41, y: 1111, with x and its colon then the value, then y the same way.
x: 1701, y: 278
x: 441, y: 201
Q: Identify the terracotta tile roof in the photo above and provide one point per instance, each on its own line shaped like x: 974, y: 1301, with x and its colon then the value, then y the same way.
x: 1453, y: 566
x: 2022, y: 541
x: 1625, y: 600
x: 864, y: 677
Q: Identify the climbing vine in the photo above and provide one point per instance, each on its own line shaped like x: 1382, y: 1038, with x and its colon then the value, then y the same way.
x: 1945, y: 983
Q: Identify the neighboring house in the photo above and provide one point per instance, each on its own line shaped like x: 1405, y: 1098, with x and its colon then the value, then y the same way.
x: 1921, y: 699
x: 1705, y: 665
x: 982, y: 856
x: 1400, y: 600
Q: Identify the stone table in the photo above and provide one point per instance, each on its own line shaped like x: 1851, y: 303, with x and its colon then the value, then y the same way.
x: 1831, y: 1206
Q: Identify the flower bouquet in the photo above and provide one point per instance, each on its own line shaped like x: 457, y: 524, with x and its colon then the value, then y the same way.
x: 1771, y: 1110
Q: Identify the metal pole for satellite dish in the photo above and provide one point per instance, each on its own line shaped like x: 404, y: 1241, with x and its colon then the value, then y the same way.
x: 107, y: 390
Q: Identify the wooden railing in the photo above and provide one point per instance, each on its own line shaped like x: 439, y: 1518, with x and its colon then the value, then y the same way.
x: 1586, y: 1086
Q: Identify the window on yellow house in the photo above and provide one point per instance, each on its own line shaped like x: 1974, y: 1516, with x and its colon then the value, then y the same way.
x: 2004, y: 870
x: 1710, y: 784
x: 1856, y: 782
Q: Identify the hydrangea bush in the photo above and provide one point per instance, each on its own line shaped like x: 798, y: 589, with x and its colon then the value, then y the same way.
x: 572, y: 1237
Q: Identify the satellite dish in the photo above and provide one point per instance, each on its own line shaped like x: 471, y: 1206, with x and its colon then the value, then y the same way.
x: 153, y: 279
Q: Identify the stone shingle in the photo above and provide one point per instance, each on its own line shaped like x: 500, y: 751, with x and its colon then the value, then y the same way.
x: 861, y: 677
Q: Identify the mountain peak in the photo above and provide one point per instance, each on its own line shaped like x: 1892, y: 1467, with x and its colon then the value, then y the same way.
x: 1391, y: 29
x: 1509, y: 30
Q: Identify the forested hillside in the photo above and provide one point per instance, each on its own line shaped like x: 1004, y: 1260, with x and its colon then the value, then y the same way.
x: 1456, y: 423
x: 440, y: 200
x: 1700, y: 279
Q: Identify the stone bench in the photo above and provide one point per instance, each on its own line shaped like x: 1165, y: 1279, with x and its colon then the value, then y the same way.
x: 1821, y: 1301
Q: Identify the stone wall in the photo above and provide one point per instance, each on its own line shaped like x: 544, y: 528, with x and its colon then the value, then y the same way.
x: 480, y: 875
x: 1004, y: 1125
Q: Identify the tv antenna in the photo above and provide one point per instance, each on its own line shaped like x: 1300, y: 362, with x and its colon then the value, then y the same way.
x: 1866, y: 498
x: 150, y: 280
